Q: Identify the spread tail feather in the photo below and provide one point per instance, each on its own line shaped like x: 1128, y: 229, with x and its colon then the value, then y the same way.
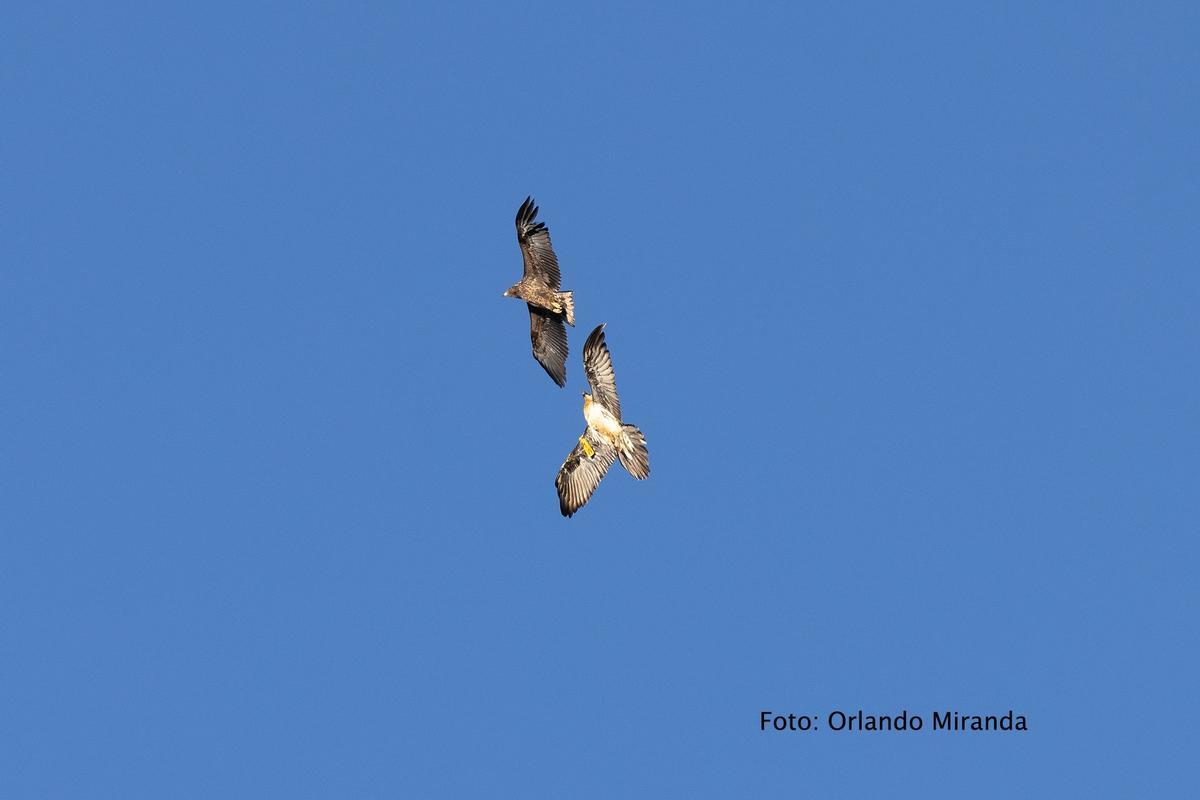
x: 568, y: 302
x: 635, y: 458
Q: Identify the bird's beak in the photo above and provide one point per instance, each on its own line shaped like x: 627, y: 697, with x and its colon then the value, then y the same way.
x: 505, y: 293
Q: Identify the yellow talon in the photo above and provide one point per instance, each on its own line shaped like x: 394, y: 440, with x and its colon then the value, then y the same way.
x: 587, y: 446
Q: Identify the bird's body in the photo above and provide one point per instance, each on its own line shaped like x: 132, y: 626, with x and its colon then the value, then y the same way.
x: 606, y: 438
x: 539, y: 286
x: 536, y: 293
x: 601, y: 420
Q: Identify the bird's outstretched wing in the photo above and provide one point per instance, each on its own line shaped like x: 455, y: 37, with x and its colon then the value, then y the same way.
x: 534, y: 238
x: 549, y: 337
x: 581, y: 473
x: 597, y: 363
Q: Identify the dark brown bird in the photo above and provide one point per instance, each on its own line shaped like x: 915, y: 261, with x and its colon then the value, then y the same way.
x: 606, y: 437
x: 539, y: 288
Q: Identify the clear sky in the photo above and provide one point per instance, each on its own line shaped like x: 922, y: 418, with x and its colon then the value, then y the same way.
x: 905, y: 301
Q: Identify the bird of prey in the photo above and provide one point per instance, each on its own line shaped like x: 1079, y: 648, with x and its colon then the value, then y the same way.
x: 539, y: 288
x: 606, y: 437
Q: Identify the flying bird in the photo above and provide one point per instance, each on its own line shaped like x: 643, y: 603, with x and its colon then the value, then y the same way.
x: 539, y: 288
x: 606, y: 437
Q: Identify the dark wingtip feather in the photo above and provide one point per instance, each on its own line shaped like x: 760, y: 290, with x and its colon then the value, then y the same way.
x: 526, y: 216
x: 560, y: 378
x: 595, y: 337
x: 564, y: 507
x: 595, y: 341
x: 523, y: 214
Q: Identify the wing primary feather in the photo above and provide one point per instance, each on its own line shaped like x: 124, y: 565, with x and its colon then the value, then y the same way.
x: 597, y: 364
x: 548, y: 337
x: 541, y: 263
x: 580, y: 473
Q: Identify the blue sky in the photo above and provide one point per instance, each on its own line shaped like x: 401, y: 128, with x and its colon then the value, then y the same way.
x: 904, y: 300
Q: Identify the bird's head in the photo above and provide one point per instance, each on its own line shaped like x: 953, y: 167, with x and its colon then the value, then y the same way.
x: 587, y: 398
x: 510, y: 292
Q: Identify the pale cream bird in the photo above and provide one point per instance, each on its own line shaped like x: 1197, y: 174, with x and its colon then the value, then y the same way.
x: 606, y: 438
